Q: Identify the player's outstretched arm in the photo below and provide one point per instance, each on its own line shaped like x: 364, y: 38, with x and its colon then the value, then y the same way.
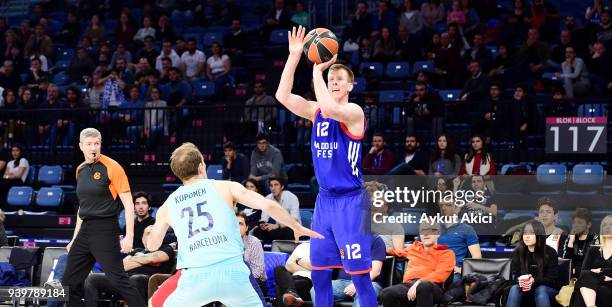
x: 273, y: 209
x: 348, y: 113
x: 153, y: 239
x: 296, y: 104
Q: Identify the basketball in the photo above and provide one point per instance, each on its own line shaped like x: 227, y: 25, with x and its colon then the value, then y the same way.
x: 321, y: 45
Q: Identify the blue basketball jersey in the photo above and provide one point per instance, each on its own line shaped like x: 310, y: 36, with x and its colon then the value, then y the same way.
x: 336, y: 156
x: 205, y: 226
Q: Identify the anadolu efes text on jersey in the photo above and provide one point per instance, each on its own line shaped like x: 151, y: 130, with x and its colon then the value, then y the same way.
x: 336, y: 155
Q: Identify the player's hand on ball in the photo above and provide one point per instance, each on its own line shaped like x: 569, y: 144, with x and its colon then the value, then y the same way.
x: 296, y: 40
x: 303, y: 231
x: 126, y: 244
x: 324, y: 66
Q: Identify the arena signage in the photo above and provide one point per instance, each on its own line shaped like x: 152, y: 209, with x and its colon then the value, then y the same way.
x: 576, y: 135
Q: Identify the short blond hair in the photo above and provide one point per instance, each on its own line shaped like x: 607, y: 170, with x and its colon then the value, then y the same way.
x: 349, y: 72
x: 185, y: 161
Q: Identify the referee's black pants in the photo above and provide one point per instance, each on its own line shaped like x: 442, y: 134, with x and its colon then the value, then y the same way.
x: 98, y: 240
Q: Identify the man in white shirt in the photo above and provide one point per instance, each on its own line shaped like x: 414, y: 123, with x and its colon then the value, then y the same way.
x: 270, y: 230
x: 168, y: 52
x: 293, y: 281
x: 192, y: 60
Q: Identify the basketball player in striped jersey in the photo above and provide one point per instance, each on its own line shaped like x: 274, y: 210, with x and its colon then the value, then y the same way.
x: 210, y: 249
x: 342, y: 207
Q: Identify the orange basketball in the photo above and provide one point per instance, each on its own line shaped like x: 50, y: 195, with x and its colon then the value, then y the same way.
x: 321, y: 45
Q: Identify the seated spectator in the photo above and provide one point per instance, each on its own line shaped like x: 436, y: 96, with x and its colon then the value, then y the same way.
x: 124, y: 73
x: 579, y: 240
x: 260, y: 110
x: 593, y: 11
x: 236, y: 41
x: 48, y: 122
x: 166, y: 65
x: 300, y: 16
x: 489, y: 121
x: 266, y: 160
x: 516, y: 117
x: 9, y: 78
x: 432, y: 47
x: 343, y: 288
x: 593, y: 287
x: 391, y: 233
x: 71, y: 29
x: 35, y: 73
x: 155, y: 121
x: 178, y: 91
x: 269, y: 229
x: 361, y: 23
x: 71, y: 121
x: 444, y: 160
x: 143, y: 218
x: 478, y: 160
x: 433, y: 12
x: 293, y: 281
x: 121, y: 53
x: 425, y: 110
x: 95, y: 90
x: 145, y: 31
x: 472, y: 17
x: 95, y: 30
x: 501, y: 64
x: 125, y: 31
x: 548, y: 213
x: 414, y: 162
x: 533, y: 55
x: 545, y: 17
x: 574, y: 74
x: 379, y: 160
x: 384, y: 49
x: 253, y: 215
x: 456, y: 15
x: 600, y: 76
x: 461, y: 238
x: 133, y: 118
x: 253, y: 252
x: 39, y: 42
x: 148, y: 51
x: 366, y: 50
x: 167, y: 52
x: 477, y: 86
x: 428, y: 266
x: 557, y: 55
x: 411, y: 18
x: 81, y: 66
x: 164, y: 29
x: 235, y: 165
x: 385, y: 18
x: 479, y: 53
x: 193, y: 61
x: 279, y: 16
x: 560, y: 106
x: 447, y: 63
x: 113, y: 90
x: 16, y: 171
x: 218, y: 66
x: 481, y: 206
x: 407, y: 46
x: 539, y: 262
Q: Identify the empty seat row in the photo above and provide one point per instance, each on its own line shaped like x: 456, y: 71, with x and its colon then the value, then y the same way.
x: 22, y: 196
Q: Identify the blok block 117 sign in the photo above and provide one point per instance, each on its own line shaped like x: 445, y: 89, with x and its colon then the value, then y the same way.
x: 576, y: 135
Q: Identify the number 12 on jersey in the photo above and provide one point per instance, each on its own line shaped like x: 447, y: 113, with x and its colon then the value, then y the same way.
x: 322, y: 128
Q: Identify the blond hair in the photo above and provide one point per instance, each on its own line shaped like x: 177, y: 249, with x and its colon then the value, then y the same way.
x: 349, y: 72
x: 185, y: 161
x: 602, y: 236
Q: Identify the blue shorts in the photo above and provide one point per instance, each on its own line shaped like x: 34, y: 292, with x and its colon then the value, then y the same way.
x: 344, y: 221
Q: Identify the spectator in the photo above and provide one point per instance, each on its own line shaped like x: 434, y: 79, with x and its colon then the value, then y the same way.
x: 95, y: 30
x: 480, y: 53
x: 599, y: 74
x: 96, y: 91
x: 385, y: 18
x: 444, y: 160
x: 559, y: 106
x: 293, y: 281
x: 121, y: 53
x: 501, y: 64
x: 253, y: 252
x: 72, y: 120
x: 414, y: 162
x: 230, y: 12
x: 478, y: 160
x: 148, y: 51
x: 164, y: 31
x: 433, y: 46
x: 433, y: 12
x: 407, y: 47
x: 35, y: 73
x: 534, y: 258
x: 411, y: 18
x: 155, y: 121
x: 113, y: 90
x: 278, y: 18
x: 269, y: 229
x: 235, y: 165
x: 534, y: 54
x: 366, y: 50
x: 48, y: 121
x: 447, y: 63
x: 456, y: 15
x: 39, y: 42
x: 266, y: 160
x: 517, y: 114
x: 17, y: 58
x: 192, y: 61
x: 379, y: 159
x: 142, y: 207
x: 124, y: 73
x: 594, y: 11
x: 9, y: 78
x: 557, y: 55
x: 218, y: 66
x: 472, y: 18
x: 300, y: 16
x: 167, y: 52
x: 545, y: 17
x: 460, y: 237
x: 548, y: 214
x: 236, y: 41
x: 178, y: 91
x: 253, y: 215
x: 10, y: 41
x: 142, y: 69
x: 481, y: 206
x: 166, y: 64
x: 425, y: 110
x: 16, y: 171
x: 391, y: 233
x: 71, y: 30
x: 125, y: 31
x: 81, y: 66
x: 146, y: 30
x: 260, y: 110
x: 428, y: 266
x: 133, y: 118
x: 361, y: 24
x: 579, y: 240
x: 343, y: 288
x: 574, y: 74
x: 384, y: 49
x: 477, y: 85
x: 489, y: 124
x: 593, y: 286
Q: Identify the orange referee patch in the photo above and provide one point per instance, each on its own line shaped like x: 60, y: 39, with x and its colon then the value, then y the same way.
x: 97, y: 175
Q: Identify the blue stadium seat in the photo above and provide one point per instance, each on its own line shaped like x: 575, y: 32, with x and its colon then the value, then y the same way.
x: 397, y: 70
x: 587, y: 179
x: 62, y: 65
x: 550, y: 177
x: 306, y: 217
x: 359, y: 85
x: 31, y: 178
x: 170, y: 187
x: 50, y: 175
x: 122, y: 219
x: 212, y: 37
x: 154, y: 211
x: 390, y: 96
x: 450, y: 95
x: 49, y: 197
x: 271, y: 261
x: 65, y: 54
x: 427, y: 66
x: 203, y: 89
x: 592, y: 110
x: 506, y: 167
x: 19, y: 196
x: 61, y: 79
x: 214, y: 171
x: 376, y: 67
x: 279, y: 36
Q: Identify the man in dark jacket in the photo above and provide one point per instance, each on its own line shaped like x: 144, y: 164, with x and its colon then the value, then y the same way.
x: 425, y: 110
x: 235, y: 165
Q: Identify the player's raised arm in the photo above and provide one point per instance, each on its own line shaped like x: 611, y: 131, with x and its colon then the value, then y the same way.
x: 295, y: 103
x: 273, y: 209
x: 154, y: 236
x: 348, y: 113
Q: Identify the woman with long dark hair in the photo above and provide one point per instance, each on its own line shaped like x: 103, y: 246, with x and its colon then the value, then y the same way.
x: 444, y: 160
x: 478, y: 160
x: 16, y: 171
x: 535, y: 268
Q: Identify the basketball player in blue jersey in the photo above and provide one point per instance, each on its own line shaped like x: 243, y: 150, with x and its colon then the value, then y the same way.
x: 210, y: 248
x: 342, y: 206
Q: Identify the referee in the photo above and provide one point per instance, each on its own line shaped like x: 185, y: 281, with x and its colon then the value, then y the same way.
x: 102, y: 186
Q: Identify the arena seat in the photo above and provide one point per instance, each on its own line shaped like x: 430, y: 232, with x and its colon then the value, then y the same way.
x: 271, y: 261
x: 50, y: 175
x: 427, y: 66
x: 278, y: 36
x: 284, y: 246
x: 306, y: 216
x: 64, y: 54
x: 20, y: 196
x: 375, y: 67
x: 203, y: 89
x: 214, y: 171
x: 50, y: 257
x: 450, y: 95
x: 49, y: 197
x: 486, y: 267
x: 61, y: 79
x: 397, y: 70
x: 592, y: 110
x: 359, y: 85
x: 211, y: 37
x: 551, y: 178
x: 586, y: 179
x: 390, y: 96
